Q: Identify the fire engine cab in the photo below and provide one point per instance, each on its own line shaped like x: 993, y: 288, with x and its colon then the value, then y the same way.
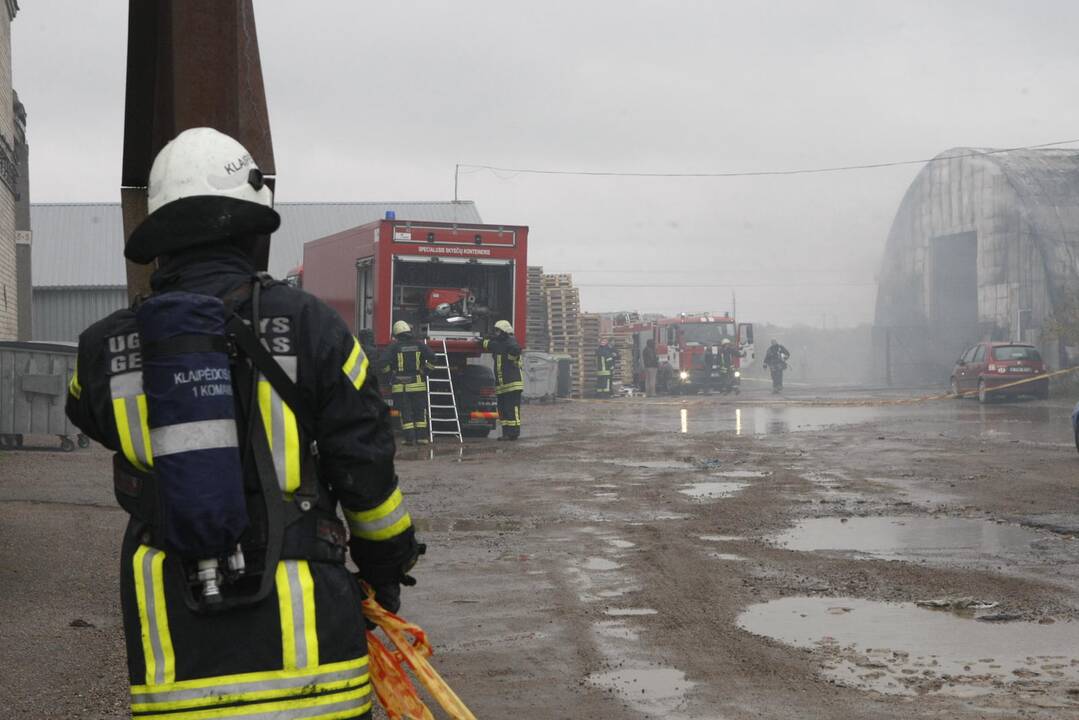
x: 690, y: 348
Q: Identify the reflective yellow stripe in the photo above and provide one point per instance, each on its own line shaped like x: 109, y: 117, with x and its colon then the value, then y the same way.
x: 253, y: 677
x: 144, y: 423
x: 306, y: 690
x: 123, y: 429
x: 307, y: 584
x: 391, y: 530
x: 387, y: 520
x: 292, y: 450
x: 158, y: 656
x: 285, y: 443
x: 163, y: 618
x: 353, y: 699
x: 356, y: 365
x: 148, y: 654
x: 74, y: 387
x: 127, y: 437
x: 385, y: 508
x: 284, y: 606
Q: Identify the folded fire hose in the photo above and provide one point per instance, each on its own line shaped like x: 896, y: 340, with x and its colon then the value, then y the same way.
x: 394, y: 689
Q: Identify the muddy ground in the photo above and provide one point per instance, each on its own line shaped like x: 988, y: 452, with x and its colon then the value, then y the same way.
x: 746, y: 558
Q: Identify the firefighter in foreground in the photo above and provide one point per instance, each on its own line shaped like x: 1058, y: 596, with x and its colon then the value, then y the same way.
x: 605, y: 359
x: 508, y: 383
x: 407, y: 361
x: 241, y: 412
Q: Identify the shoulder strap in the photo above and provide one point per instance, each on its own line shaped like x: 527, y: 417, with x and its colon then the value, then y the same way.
x: 244, y: 338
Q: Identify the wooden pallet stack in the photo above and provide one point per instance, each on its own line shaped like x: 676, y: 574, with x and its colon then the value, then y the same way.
x: 537, y: 336
x: 563, y: 327
x: 621, y: 340
x: 586, y: 362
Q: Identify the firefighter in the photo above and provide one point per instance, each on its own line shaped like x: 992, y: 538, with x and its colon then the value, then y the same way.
x: 270, y: 626
x: 605, y: 360
x: 776, y: 361
x: 407, y: 362
x: 508, y: 383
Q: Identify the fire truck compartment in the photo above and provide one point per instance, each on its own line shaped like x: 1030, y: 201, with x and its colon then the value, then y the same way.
x: 490, y: 288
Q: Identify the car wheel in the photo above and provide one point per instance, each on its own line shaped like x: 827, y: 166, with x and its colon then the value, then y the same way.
x: 983, y: 393
x: 955, y: 390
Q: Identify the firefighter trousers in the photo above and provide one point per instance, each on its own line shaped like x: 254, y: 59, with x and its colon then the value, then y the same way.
x: 299, y: 653
x: 603, y: 384
x: 412, y: 405
x: 509, y: 413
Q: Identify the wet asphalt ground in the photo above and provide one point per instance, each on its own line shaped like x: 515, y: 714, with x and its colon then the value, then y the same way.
x: 831, y: 554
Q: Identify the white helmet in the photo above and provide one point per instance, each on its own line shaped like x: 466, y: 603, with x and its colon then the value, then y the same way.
x: 204, y: 187
x: 726, y: 341
x: 400, y: 327
x: 504, y: 326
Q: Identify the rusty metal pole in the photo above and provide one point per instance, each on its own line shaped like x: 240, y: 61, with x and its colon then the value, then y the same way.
x: 190, y: 63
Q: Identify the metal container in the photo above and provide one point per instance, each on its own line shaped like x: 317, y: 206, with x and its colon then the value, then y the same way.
x: 33, y: 390
x: 540, y: 372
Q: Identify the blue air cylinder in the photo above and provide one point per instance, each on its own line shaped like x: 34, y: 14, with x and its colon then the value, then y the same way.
x: 192, y: 423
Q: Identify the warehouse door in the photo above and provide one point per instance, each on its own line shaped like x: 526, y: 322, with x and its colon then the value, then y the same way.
x: 953, y: 295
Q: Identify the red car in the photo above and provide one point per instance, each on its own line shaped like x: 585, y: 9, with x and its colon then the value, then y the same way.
x: 996, y: 369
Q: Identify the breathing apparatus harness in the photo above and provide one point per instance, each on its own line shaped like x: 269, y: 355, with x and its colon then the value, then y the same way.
x: 304, y: 526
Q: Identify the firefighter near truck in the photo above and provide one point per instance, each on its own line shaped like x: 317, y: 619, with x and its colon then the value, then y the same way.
x: 698, y: 352
x: 450, y: 282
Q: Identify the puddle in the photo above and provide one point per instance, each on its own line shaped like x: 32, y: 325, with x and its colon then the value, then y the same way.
x: 597, y: 563
x: 711, y: 490
x: 622, y: 544
x: 466, y: 525
x: 903, y: 649
x: 742, y: 474
x: 731, y: 557
x: 721, y: 538
x: 652, y: 690
x: 624, y: 612
x: 899, y: 537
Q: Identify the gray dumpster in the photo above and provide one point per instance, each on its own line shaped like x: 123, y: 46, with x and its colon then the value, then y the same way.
x: 540, y: 373
x: 33, y: 390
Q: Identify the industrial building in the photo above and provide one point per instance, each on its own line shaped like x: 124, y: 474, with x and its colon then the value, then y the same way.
x: 12, y: 129
x: 79, y: 275
x: 984, y: 245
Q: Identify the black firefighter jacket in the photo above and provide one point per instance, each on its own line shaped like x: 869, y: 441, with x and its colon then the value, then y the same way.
x: 311, y: 342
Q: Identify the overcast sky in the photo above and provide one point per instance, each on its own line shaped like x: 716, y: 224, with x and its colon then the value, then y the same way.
x: 378, y: 101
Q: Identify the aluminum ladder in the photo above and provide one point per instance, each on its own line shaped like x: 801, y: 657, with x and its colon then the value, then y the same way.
x: 440, y: 376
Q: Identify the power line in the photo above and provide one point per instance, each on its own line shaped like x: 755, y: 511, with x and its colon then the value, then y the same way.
x: 752, y: 173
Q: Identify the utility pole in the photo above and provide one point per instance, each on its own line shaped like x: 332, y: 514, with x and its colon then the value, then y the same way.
x: 190, y: 63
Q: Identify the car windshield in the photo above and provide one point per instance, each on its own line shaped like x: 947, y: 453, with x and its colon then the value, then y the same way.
x: 707, y: 333
x: 1016, y: 352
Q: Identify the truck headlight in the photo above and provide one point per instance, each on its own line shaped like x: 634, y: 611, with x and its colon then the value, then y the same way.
x: 737, y: 374
x: 683, y: 375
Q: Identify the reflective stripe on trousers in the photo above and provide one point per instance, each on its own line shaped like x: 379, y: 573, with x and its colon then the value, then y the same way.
x: 300, y: 689
x: 132, y: 418
x: 338, y: 690
x: 282, y: 431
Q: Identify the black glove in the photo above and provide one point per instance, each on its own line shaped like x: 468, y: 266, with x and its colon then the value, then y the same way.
x: 387, y: 582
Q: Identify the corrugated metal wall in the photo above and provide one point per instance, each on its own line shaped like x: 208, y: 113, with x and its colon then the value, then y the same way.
x: 63, y: 313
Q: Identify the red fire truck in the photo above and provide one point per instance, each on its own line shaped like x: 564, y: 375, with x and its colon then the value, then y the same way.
x: 689, y: 346
x: 450, y: 282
